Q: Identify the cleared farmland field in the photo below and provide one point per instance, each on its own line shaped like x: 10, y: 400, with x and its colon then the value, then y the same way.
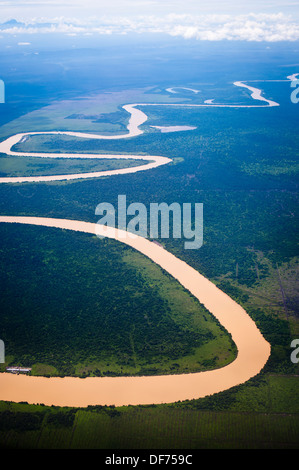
x: 154, y: 428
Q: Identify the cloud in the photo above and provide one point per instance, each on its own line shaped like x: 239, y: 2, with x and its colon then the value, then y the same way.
x: 212, y: 27
x: 252, y: 27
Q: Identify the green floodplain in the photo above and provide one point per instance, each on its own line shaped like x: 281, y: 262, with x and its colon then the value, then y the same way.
x: 105, y: 310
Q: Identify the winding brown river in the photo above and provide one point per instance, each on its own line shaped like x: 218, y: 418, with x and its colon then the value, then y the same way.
x: 253, y: 349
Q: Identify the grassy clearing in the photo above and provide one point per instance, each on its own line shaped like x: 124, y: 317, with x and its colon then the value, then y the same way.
x: 100, y: 113
x: 47, y: 143
x: 31, y: 166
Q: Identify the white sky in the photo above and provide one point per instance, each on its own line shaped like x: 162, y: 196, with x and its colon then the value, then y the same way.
x: 27, y: 9
x: 213, y: 20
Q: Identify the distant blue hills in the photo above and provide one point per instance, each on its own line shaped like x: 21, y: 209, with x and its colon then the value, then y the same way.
x: 18, y: 24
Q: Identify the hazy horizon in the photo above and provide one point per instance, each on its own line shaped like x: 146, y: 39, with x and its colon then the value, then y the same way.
x: 269, y: 21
